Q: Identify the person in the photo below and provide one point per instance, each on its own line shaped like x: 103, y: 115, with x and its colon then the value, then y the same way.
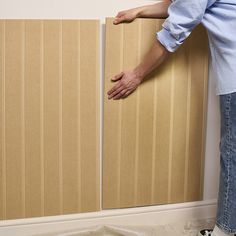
x: 181, y: 17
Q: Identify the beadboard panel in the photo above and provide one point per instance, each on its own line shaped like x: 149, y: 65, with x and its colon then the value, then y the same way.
x: 154, y: 140
x: 49, y: 117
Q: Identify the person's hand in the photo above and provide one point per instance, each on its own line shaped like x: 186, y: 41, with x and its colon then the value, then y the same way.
x: 127, y: 82
x: 126, y: 16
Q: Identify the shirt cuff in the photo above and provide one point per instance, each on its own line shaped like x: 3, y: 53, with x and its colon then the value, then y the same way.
x: 167, y: 40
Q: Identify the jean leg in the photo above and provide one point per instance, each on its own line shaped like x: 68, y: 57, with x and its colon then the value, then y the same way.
x: 226, y: 212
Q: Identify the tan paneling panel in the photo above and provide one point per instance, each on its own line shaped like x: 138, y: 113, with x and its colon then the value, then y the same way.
x: 154, y: 139
x: 49, y: 117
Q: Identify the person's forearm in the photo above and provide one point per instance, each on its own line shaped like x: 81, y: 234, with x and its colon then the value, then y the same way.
x: 158, y: 10
x: 152, y: 60
x: 128, y: 81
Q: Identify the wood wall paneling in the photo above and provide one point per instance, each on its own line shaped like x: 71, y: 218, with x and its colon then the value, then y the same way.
x: 154, y: 139
x: 49, y: 117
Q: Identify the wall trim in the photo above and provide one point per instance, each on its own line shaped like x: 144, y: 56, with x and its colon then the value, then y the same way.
x: 148, y: 215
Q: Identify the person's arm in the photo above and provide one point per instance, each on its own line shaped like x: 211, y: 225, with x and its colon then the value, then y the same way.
x: 158, y: 10
x: 129, y: 80
x: 184, y: 16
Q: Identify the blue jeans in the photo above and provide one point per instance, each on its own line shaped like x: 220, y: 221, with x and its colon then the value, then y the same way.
x: 226, y: 212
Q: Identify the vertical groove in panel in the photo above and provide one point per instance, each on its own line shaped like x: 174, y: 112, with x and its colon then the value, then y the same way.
x: 187, y: 126
x: 42, y: 115
x: 100, y: 110
x: 98, y: 121
x: 136, y: 164
x: 23, y: 118
x: 4, y: 122
x: 120, y: 119
x: 204, y: 124
x: 154, y: 140
x: 79, y: 124
x: 171, y: 132
x: 154, y: 135
x: 60, y: 118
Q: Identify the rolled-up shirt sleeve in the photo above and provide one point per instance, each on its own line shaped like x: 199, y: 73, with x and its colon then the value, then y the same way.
x: 184, y: 15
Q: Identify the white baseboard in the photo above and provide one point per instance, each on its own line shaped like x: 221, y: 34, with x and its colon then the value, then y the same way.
x: 150, y: 215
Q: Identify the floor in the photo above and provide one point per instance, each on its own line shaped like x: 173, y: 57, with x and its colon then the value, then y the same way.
x: 190, y: 228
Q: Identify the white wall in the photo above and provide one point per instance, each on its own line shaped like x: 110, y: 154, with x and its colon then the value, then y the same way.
x: 82, y: 9
x: 66, y: 9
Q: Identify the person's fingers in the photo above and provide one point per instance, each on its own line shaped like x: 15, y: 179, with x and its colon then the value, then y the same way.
x: 116, y: 89
x: 119, y: 20
x: 115, y: 93
x: 120, y: 94
x: 128, y: 92
x: 117, y: 77
x: 119, y: 17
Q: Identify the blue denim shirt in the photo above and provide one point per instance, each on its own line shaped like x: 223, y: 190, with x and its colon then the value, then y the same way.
x: 219, y: 18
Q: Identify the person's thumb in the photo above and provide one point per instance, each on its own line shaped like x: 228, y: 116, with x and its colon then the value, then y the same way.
x: 117, y: 77
x: 118, y: 20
